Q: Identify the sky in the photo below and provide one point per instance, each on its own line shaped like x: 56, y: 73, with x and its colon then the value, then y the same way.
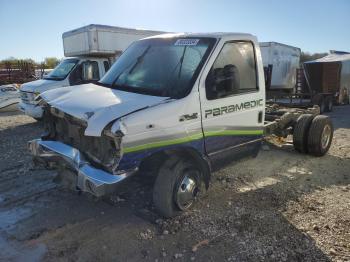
x: 33, y: 28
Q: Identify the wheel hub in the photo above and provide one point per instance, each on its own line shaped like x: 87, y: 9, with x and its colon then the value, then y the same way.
x: 326, y: 136
x: 186, y: 192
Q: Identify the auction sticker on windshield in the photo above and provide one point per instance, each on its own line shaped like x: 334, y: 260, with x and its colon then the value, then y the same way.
x: 187, y: 42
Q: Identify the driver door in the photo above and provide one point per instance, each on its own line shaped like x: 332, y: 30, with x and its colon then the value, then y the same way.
x: 232, y: 104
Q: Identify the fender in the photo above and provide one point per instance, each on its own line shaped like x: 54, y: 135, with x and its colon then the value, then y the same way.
x: 188, y: 153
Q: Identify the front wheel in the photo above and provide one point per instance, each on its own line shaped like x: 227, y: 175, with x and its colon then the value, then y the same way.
x: 320, y: 101
x: 178, y: 184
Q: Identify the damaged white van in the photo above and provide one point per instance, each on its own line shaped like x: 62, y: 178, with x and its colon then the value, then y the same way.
x: 181, y: 103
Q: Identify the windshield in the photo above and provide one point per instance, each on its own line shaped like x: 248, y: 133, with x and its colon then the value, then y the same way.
x: 62, y: 70
x: 159, y: 66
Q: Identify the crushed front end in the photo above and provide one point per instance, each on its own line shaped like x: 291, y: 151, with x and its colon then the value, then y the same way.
x: 94, y: 159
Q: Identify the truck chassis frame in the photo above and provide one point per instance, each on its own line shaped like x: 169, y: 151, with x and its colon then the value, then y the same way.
x: 281, y: 119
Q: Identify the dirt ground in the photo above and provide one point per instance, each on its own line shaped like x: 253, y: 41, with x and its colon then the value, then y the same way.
x: 279, y: 206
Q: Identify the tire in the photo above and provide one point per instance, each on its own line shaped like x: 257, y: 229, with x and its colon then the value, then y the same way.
x: 320, y: 135
x: 319, y: 100
x: 329, y: 104
x: 301, y: 132
x: 170, y: 183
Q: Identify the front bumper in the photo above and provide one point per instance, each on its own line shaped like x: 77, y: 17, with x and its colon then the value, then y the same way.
x: 89, y: 179
x: 32, y: 110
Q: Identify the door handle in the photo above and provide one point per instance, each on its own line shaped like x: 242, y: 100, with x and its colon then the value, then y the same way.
x: 260, y: 116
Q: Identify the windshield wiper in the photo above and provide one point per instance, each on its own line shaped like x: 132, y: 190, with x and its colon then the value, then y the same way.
x: 137, y: 62
x: 181, y: 62
x: 139, y: 59
x: 171, y: 86
x: 53, y: 78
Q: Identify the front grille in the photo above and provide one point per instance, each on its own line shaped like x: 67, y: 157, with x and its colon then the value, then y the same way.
x: 103, y: 152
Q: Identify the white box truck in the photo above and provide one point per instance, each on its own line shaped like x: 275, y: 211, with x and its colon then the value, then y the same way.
x: 89, y: 52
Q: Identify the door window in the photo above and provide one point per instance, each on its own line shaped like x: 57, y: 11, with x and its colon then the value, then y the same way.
x: 90, y: 71
x: 233, y: 72
x: 85, y: 72
x: 106, y: 65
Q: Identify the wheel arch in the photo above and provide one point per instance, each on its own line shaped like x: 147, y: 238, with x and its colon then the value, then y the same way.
x: 157, y: 158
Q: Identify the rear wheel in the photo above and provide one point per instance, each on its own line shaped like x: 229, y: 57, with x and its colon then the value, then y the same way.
x: 320, y: 101
x: 301, y: 131
x: 320, y: 135
x: 178, y: 184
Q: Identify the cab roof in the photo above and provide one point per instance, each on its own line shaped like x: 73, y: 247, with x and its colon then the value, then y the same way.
x: 217, y: 35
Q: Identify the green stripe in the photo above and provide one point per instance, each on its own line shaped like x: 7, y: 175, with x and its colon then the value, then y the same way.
x: 233, y: 132
x: 191, y: 138
x: 164, y: 143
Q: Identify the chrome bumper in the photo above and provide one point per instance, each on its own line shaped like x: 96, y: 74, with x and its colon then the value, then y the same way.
x: 89, y: 178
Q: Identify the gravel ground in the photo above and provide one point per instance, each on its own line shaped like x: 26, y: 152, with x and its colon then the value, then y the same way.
x: 279, y: 206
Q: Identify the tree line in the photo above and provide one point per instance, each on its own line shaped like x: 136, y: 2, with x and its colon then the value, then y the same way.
x: 306, y: 56
x: 48, y: 63
x: 13, y: 70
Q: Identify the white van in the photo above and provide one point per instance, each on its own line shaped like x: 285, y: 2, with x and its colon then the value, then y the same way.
x: 71, y: 71
x: 90, y: 50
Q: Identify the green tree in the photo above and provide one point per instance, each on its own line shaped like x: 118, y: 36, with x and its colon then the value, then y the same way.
x: 51, y: 62
x: 305, y: 56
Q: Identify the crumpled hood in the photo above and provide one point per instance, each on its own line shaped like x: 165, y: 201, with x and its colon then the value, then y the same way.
x: 40, y: 85
x: 97, y: 105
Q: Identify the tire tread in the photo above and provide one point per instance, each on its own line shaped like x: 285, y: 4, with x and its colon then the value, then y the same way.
x: 301, y: 131
x: 315, y: 133
x: 163, y: 191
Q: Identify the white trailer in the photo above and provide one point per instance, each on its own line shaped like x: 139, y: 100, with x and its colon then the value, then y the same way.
x: 282, y: 61
x: 90, y: 51
x: 101, y: 40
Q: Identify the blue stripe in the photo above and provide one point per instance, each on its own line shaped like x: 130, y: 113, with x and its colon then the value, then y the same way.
x: 212, y: 144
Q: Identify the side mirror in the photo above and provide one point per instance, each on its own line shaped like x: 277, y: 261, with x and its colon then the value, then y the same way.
x: 226, y: 80
x: 88, y: 71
